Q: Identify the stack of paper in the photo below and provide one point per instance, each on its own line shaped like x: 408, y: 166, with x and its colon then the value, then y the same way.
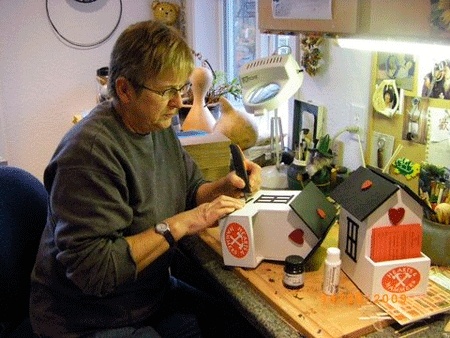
x: 211, y: 151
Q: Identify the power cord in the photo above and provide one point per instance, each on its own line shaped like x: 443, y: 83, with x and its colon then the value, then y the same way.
x: 349, y: 129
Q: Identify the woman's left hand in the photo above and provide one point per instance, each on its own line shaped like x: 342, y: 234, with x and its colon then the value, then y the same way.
x: 231, y: 184
x: 254, y: 179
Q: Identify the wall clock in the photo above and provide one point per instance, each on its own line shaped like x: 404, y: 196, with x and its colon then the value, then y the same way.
x: 84, y: 26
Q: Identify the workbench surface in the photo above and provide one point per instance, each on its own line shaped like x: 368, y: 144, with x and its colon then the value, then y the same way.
x: 280, y: 312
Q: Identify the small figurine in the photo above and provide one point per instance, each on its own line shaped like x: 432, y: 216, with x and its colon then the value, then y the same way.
x: 165, y: 12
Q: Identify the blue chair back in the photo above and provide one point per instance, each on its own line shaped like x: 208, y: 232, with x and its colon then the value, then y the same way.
x: 23, y: 213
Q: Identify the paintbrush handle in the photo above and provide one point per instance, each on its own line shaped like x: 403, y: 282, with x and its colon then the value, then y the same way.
x: 239, y: 166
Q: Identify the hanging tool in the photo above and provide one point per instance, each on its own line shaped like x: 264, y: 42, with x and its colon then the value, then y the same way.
x: 380, y: 151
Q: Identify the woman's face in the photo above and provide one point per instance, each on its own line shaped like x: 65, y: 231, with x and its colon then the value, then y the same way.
x: 150, y: 111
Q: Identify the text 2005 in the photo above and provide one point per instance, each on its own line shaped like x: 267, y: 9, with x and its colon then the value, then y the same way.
x: 393, y: 298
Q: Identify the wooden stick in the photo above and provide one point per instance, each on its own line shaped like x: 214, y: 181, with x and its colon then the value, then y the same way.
x: 415, y: 331
x: 361, y: 151
x: 399, y: 148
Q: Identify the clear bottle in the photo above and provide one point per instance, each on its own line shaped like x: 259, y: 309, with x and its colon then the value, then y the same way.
x: 332, y: 271
x: 297, y: 175
x: 293, y: 272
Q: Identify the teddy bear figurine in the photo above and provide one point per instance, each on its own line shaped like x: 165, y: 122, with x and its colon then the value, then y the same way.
x: 165, y: 12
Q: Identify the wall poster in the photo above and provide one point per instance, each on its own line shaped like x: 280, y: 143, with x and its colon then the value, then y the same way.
x: 438, y: 150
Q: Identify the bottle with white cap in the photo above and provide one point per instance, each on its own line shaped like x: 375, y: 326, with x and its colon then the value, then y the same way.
x: 332, y: 271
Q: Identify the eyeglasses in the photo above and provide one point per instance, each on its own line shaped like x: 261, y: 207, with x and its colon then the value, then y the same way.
x: 169, y: 93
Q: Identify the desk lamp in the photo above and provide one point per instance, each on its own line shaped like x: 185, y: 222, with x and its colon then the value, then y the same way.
x: 267, y: 83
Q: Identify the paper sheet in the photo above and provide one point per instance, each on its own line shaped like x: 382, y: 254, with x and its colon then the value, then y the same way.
x: 302, y: 9
x: 409, y: 309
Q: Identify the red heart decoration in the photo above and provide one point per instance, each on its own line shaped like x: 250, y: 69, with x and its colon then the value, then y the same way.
x: 396, y: 215
x: 297, y: 236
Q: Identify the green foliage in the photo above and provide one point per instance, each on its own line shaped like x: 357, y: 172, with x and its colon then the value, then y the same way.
x: 221, y: 84
x: 434, y: 171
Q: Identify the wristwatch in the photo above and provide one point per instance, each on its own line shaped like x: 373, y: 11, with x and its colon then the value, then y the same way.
x: 164, y: 229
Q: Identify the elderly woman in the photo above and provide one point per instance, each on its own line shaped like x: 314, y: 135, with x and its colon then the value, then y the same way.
x: 122, y: 193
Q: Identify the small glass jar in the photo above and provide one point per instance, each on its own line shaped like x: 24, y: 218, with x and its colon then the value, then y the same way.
x: 293, y: 272
x: 102, y: 84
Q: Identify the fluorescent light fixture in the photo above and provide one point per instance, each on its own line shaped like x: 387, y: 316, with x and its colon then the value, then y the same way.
x: 394, y: 46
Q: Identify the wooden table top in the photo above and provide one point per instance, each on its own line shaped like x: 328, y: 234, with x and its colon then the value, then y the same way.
x: 308, y: 309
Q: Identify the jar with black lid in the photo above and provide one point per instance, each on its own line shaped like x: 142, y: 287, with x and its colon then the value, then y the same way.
x: 293, y: 272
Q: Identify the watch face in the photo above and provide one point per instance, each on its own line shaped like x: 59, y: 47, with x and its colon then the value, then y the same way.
x: 161, y: 227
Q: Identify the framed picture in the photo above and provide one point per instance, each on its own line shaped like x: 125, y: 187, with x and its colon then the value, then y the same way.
x: 436, y: 83
x: 308, y: 118
x: 398, y: 67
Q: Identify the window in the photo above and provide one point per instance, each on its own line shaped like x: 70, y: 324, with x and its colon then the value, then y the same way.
x: 244, y: 43
x: 240, y: 34
x: 352, y: 239
x: 277, y: 199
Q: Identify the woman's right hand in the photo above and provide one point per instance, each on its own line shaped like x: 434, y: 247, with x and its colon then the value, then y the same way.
x: 206, y: 214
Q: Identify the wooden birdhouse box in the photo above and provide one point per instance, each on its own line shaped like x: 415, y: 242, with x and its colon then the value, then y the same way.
x: 380, y: 235
x: 275, y: 224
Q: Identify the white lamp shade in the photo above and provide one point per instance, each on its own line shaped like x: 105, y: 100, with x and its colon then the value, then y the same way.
x: 268, y: 82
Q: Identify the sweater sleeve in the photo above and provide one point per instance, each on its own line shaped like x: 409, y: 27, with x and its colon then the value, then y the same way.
x: 89, y: 225
x: 194, y: 180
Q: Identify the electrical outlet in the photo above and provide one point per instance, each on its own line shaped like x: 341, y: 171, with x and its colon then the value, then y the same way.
x: 357, y: 118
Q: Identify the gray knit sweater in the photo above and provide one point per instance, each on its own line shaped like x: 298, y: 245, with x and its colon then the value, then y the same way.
x: 106, y: 183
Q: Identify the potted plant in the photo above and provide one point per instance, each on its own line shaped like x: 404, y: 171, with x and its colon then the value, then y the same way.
x: 224, y: 118
x: 434, y: 185
x: 221, y: 86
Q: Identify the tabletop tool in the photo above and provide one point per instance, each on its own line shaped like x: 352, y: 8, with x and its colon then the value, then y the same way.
x: 239, y: 167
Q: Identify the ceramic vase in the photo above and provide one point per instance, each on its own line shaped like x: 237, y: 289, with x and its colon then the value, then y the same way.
x: 236, y: 125
x: 199, y: 116
x: 436, y: 242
